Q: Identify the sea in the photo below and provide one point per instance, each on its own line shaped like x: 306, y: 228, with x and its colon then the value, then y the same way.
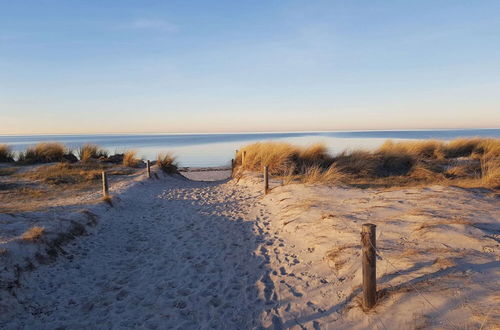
x: 207, y: 150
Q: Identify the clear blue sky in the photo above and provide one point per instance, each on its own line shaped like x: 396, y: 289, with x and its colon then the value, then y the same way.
x: 220, y: 66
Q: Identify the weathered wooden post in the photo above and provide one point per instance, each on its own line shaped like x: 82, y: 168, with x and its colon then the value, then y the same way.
x: 232, y: 167
x: 105, y: 190
x: 243, y: 156
x: 148, y: 166
x: 368, y: 245
x: 266, y: 180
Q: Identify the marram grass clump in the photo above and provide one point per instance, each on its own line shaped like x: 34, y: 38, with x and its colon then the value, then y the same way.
x: 167, y: 163
x: 89, y: 152
x: 45, y: 152
x: 130, y: 159
x: 6, y: 154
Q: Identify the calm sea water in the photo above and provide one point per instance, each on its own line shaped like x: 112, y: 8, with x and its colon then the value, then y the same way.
x: 218, y: 149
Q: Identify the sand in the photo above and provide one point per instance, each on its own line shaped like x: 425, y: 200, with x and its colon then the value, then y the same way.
x: 182, y: 254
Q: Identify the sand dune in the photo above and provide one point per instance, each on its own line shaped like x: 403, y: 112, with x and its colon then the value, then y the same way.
x: 175, y: 253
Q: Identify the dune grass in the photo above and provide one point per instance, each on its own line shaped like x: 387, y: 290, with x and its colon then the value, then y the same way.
x: 471, y: 162
x: 89, y: 151
x: 167, y: 163
x: 6, y: 154
x: 130, y: 159
x: 64, y: 173
x: 46, y: 152
x: 33, y: 234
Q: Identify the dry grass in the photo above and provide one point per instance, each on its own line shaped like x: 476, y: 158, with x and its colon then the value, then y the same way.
x: 63, y: 173
x: 33, y: 234
x: 167, y: 163
x: 130, y: 159
x: 6, y: 154
x: 466, y: 162
x: 490, y: 169
x: 316, y: 174
x: 280, y: 157
x: 6, y: 171
x: 108, y: 200
x: 88, y: 152
x: 46, y: 152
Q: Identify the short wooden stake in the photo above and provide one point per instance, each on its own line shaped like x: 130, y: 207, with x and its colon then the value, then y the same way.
x: 266, y: 180
x: 105, y: 190
x: 369, y: 262
x: 148, y: 166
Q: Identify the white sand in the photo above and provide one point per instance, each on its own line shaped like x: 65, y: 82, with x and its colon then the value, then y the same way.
x: 174, y: 253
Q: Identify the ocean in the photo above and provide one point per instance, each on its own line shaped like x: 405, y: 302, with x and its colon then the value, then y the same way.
x: 217, y: 149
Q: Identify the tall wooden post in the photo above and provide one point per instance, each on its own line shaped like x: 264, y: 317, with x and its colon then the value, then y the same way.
x: 148, y: 166
x: 368, y: 245
x: 105, y: 190
x: 243, y: 156
x: 232, y: 167
x: 266, y: 180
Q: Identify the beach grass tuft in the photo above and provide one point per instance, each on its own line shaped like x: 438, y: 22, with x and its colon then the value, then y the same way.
x: 6, y: 154
x: 130, y: 159
x: 45, y: 152
x: 167, y: 163
x: 89, y: 151
x: 33, y: 234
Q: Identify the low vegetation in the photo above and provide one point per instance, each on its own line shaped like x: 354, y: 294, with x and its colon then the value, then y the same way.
x: 6, y: 154
x: 46, y: 152
x: 33, y: 234
x: 468, y: 162
x: 130, y: 159
x: 89, y: 152
x: 167, y: 163
x: 63, y: 173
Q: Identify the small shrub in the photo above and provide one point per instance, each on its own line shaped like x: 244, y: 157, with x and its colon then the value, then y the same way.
x: 167, y: 163
x: 89, y: 151
x: 6, y: 154
x: 33, y: 234
x: 46, y: 152
x: 130, y: 160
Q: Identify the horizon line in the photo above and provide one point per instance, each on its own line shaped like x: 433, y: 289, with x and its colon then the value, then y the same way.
x: 257, y: 132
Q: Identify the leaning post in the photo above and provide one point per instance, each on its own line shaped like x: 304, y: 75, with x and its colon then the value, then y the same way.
x: 369, y: 262
x: 148, y: 166
x: 266, y: 180
x: 105, y: 190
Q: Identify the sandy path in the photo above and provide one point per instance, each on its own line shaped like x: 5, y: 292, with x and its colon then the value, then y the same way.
x: 171, y: 254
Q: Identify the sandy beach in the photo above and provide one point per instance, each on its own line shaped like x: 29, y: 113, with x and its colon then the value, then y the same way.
x: 177, y: 253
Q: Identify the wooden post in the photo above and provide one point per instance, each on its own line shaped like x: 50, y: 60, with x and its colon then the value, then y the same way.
x: 148, y: 166
x: 232, y: 167
x: 369, y: 262
x: 243, y: 156
x: 105, y: 190
x: 266, y: 180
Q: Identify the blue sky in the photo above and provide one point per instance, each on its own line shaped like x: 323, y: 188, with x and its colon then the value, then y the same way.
x: 223, y: 66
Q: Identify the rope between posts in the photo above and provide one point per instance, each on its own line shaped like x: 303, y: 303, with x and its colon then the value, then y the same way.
x: 412, y: 286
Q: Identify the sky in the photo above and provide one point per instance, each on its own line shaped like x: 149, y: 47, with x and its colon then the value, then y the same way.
x: 130, y: 66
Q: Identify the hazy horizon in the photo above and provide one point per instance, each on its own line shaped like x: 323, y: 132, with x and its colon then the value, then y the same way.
x: 225, y: 67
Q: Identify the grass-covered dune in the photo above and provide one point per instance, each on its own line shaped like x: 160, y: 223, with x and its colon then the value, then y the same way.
x: 466, y: 162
